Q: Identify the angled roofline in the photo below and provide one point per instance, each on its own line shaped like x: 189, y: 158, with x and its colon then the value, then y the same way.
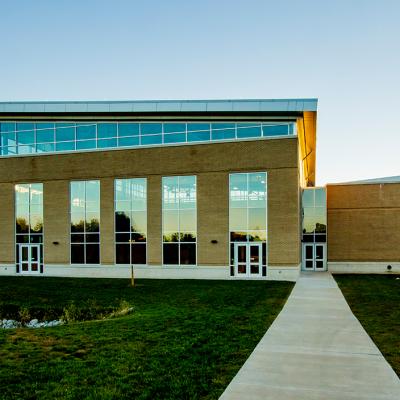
x: 373, y: 181
x: 302, y: 110
x: 161, y: 106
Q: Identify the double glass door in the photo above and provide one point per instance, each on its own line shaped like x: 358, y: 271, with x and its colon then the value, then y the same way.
x: 248, y: 259
x: 314, y: 256
x: 29, y: 258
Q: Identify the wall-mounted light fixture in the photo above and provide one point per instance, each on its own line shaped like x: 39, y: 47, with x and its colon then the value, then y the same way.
x: 56, y: 243
x: 214, y: 241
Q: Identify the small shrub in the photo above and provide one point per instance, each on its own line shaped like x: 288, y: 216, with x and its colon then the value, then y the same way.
x: 123, y: 308
x: 24, y: 315
x: 86, y: 311
x: 71, y: 313
x: 123, y: 305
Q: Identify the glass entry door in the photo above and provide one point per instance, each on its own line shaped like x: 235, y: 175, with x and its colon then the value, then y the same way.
x: 314, y: 256
x: 29, y: 258
x: 248, y: 259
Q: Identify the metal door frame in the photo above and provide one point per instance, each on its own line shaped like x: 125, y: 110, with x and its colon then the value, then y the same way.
x: 314, y: 259
x: 248, y: 263
x: 29, y: 262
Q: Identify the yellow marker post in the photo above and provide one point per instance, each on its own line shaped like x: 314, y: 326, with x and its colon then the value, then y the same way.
x: 132, y: 277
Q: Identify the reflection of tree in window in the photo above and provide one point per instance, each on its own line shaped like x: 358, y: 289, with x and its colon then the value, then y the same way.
x: 38, y: 227
x: 22, y: 225
x: 122, y: 222
x: 314, y: 215
x: 248, y: 210
x: 93, y: 225
x: 320, y: 228
x: 188, y: 237
x: 179, y: 220
x: 238, y: 237
x: 78, y: 226
x: 130, y: 220
x: 138, y: 237
x: 29, y: 216
x: 84, y: 207
x: 172, y: 237
x: 254, y: 238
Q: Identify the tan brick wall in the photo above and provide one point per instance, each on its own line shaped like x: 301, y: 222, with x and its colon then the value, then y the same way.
x: 283, y: 217
x: 56, y: 213
x: 107, y: 221
x: 211, y: 163
x: 364, y: 222
x: 363, y: 196
x: 168, y: 160
x: 154, y: 223
x: 213, y: 218
x: 7, y: 223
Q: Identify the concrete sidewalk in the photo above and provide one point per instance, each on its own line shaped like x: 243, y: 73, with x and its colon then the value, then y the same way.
x: 315, y: 349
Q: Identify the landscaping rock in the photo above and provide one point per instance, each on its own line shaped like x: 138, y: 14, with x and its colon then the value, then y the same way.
x: 9, y: 324
x: 34, y: 323
x: 55, y: 323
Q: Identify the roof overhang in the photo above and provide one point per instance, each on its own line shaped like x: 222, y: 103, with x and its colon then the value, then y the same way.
x: 161, y: 106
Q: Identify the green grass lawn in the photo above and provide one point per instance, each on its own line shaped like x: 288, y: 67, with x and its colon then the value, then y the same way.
x: 375, y: 301
x: 183, y: 340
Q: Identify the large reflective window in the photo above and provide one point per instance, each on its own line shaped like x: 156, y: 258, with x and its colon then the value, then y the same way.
x: 150, y: 140
x: 130, y: 198
x: 85, y: 222
x: 26, y: 137
x: 86, y: 131
x: 277, y: 129
x: 179, y: 220
x: 107, y: 130
x: 128, y: 141
x: 45, y: 133
x: 221, y: 131
x: 85, y: 144
x: 7, y: 139
x: 19, y: 137
x: 248, y: 130
x: 198, y: 132
x: 248, y: 209
x: 174, y: 127
x: 151, y: 129
x: 151, y: 133
x: 65, y: 132
x: 29, y: 218
x: 314, y: 215
x: 128, y: 129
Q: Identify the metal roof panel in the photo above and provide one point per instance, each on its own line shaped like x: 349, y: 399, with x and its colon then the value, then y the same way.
x: 240, y: 105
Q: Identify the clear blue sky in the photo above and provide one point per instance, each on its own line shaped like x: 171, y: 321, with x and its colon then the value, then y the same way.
x: 346, y: 53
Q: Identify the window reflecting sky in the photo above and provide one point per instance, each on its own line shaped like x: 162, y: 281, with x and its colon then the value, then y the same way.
x: 29, y: 208
x: 179, y: 205
x: 179, y: 218
x: 248, y: 206
x: 130, y: 219
x: 314, y: 210
x: 85, y: 206
x: 44, y: 137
